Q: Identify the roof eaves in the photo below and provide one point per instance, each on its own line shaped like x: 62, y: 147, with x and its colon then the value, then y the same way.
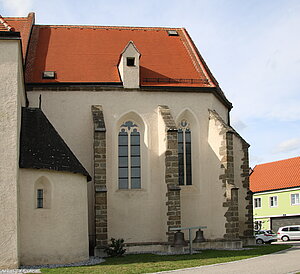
x: 276, y: 189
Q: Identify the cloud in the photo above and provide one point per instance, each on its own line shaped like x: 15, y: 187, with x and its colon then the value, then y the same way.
x: 291, y: 145
x: 262, y: 67
x: 17, y: 7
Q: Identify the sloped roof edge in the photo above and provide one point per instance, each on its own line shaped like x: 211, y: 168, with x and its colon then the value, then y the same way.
x: 41, y: 146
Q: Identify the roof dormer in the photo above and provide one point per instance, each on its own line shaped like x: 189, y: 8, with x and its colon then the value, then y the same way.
x: 129, y: 66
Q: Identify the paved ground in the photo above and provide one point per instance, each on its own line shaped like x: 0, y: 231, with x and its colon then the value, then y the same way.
x: 283, y: 262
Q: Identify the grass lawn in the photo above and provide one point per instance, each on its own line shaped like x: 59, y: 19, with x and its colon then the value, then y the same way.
x: 147, y: 263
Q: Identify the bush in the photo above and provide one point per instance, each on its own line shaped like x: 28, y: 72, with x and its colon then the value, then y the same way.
x: 116, y: 248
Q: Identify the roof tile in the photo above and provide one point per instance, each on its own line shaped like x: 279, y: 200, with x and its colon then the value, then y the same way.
x: 90, y: 54
x: 276, y: 175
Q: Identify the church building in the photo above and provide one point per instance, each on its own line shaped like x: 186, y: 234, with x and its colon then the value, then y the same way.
x: 116, y: 132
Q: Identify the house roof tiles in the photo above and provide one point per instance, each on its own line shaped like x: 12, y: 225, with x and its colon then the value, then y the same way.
x: 90, y: 54
x: 276, y: 175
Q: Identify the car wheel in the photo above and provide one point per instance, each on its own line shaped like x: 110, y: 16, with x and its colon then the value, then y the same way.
x: 259, y: 241
x: 285, y: 238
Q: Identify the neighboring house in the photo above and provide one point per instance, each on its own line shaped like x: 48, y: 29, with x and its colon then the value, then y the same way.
x: 276, y: 194
x: 138, y: 110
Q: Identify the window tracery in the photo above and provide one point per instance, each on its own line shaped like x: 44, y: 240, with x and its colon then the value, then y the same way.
x: 129, y: 156
x: 184, y: 153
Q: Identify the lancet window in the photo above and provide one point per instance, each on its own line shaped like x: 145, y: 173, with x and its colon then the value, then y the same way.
x: 129, y: 156
x: 184, y: 153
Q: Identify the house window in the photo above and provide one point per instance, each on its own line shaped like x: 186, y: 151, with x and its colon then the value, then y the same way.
x: 273, y: 201
x: 129, y: 156
x: 295, y: 199
x: 257, y: 202
x: 184, y: 153
x: 257, y: 225
x: 40, y: 198
x: 130, y: 61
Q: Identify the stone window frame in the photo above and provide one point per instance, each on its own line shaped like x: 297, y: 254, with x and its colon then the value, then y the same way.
x: 184, y: 128
x: 295, y: 203
x: 130, y: 127
x: 259, y: 203
x: 274, y: 200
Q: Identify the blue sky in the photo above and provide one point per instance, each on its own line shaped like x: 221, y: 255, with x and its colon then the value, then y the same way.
x: 252, y: 47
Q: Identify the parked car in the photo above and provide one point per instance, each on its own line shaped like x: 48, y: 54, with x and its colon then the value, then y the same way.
x: 265, y: 236
x: 291, y: 232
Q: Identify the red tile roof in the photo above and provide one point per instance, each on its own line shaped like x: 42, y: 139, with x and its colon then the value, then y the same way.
x: 90, y: 54
x: 22, y: 25
x: 276, y: 175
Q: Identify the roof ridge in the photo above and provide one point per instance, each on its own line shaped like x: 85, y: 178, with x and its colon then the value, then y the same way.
x: 13, y: 17
x: 283, y: 160
x: 109, y: 27
x: 4, y: 23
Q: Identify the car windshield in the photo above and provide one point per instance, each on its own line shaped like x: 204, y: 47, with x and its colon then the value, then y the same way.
x: 270, y: 232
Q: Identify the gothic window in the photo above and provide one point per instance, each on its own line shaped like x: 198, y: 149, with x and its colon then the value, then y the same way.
x: 129, y: 156
x: 184, y: 153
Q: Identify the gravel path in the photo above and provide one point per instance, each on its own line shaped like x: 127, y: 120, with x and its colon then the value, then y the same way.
x: 36, y: 268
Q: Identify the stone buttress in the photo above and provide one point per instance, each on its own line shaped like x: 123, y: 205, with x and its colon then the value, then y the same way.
x: 171, y: 172
x: 231, y: 185
x: 100, y: 177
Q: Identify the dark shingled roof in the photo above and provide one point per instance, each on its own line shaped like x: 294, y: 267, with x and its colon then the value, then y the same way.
x: 43, y: 148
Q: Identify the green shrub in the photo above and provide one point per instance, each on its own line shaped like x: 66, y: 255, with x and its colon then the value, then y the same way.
x: 116, y: 248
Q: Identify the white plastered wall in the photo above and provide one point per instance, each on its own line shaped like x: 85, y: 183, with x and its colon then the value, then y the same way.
x: 238, y: 155
x: 57, y: 233
x: 140, y: 215
x: 12, y: 98
x: 130, y: 75
x: 215, y: 189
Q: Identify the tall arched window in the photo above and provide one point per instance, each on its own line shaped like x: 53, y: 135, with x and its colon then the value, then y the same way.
x: 129, y: 156
x: 184, y: 153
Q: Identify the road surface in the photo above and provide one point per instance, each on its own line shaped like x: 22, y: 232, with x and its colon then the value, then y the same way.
x: 283, y: 262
